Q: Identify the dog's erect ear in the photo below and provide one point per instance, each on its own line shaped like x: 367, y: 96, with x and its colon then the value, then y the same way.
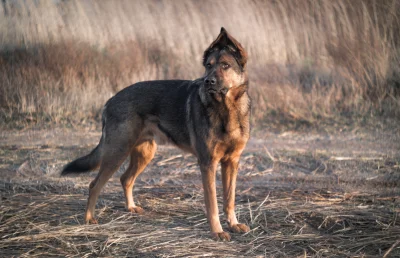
x: 226, y: 41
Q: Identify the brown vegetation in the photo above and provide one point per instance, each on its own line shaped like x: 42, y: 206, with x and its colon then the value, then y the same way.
x: 300, y: 198
x: 61, y: 60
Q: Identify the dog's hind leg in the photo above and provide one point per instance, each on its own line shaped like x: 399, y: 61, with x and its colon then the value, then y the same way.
x: 141, y: 155
x: 118, y: 143
x: 109, y: 165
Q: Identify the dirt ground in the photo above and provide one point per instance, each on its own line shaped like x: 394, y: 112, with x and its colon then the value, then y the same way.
x: 303, y: 194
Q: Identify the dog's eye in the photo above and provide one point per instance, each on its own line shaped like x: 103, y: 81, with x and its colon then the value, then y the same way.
x: 208, y: 65
x: 225, y: 66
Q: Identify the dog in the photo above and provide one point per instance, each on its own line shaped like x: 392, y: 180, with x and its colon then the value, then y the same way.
x: 208, y: 117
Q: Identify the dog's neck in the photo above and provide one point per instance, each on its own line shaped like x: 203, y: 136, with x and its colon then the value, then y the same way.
x: 233, y: 108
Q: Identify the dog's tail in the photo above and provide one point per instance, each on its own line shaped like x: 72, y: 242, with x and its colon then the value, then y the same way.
x: 86, y: 163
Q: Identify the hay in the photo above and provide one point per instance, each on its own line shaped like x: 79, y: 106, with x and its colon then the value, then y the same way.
x: 44, y: 219
x: 297, y: 203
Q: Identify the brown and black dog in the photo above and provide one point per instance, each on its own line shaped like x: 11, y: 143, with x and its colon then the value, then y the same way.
x: 208, y: 117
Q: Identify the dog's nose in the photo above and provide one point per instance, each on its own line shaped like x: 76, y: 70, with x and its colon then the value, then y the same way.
x: 211, y: 81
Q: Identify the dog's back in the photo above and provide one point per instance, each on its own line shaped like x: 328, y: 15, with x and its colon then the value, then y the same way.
x: 162, y: 107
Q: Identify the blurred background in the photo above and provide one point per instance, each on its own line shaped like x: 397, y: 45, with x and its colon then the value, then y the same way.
x: 309, y: 61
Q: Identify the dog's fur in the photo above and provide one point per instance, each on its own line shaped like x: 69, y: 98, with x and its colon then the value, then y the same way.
x: 208, y: 117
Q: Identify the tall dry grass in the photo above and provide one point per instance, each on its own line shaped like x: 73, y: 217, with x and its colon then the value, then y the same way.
x: 61, y: 60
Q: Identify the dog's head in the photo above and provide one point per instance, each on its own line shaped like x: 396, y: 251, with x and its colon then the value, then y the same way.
x: 225, y: 63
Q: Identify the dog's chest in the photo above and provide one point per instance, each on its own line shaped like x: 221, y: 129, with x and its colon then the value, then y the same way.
x: 229, y: 146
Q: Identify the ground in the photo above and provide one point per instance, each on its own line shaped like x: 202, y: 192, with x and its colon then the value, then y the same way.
x: 308, y: 194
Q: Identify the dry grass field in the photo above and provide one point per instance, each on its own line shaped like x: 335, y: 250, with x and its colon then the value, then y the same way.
x: 302, y: 194
x: 320, y: 176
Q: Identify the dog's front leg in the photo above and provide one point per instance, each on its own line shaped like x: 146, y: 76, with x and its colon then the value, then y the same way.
x: 208, y: 172
x: 229, y: 170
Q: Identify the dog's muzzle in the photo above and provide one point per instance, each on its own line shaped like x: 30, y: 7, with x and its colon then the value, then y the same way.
x: 212, y: 86
x: 222, y: 91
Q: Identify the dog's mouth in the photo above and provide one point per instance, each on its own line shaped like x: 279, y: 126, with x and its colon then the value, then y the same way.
x: 222, y: 91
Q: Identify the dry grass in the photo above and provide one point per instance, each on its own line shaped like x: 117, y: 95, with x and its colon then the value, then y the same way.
x: 44, y: 220
x: 332, y: 202
x: 61, y: 60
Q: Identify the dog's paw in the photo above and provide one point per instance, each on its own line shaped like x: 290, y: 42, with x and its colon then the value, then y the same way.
x: 91, y: 221
x: 239, y: 228
x: 224, y: 236
x: 136, y: 209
